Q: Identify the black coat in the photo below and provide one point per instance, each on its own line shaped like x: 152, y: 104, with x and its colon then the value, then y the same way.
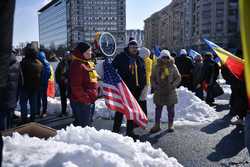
x: 184, y: 65
x: 11, y: 90
x: 31, y: 70
x: 210, y: 71
x: 122, y: 63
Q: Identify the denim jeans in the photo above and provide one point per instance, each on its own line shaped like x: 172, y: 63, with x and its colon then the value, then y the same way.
x: 42, y: 96
x: 24, y: 98
x: 82, y: 113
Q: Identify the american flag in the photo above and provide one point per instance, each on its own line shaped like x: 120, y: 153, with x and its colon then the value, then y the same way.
x: 119, y: 98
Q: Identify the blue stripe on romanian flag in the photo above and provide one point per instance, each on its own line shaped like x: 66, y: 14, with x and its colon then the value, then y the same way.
x: 233, y: 63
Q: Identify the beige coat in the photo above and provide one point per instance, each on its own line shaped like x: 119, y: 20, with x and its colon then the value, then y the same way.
x: 165, y: 89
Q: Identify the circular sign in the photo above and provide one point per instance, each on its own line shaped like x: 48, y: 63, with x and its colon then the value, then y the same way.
x: 107, y: 44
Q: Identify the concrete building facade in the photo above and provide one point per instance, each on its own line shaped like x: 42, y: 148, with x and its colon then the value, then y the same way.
x: 86, y: 17
x: 138, y: 35
x: 184, y: 23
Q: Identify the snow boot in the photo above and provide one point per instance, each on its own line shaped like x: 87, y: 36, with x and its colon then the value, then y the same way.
x: 156, y: 128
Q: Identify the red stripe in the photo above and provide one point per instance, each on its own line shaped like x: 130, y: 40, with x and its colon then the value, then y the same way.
x: 128, y: 97
x: 116, y: 108
x: 235, y: 66
x: 113, y: 99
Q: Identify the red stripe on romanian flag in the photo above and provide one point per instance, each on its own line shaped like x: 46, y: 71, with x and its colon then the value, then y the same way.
x: 233, y: 63
x: 245, y: 35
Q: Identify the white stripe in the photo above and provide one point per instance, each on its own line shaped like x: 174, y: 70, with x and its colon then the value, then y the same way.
x: 114, y: 95
x: 125, y: 101
x: 113, y: 103
x: 109, y: 86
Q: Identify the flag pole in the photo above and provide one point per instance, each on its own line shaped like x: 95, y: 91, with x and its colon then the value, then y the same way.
x: 245, y: 35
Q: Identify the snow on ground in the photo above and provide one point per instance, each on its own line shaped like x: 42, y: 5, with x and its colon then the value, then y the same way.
x: 77, y: 147
x: 190, y: 110
x: 226, y: 88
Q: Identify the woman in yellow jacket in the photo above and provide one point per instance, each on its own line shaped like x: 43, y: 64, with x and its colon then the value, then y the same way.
x: 145, y: 53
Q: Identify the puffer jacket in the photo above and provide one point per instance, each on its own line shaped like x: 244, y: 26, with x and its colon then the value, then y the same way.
x: 46, y: 72
x: 165, y: 89
x: 83, y: 85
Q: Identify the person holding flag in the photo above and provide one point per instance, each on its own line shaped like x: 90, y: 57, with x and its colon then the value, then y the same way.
x: 131, y: 69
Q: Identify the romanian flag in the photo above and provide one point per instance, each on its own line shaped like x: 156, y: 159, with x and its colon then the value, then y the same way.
x: 245, y: 35
x: 233, y: 63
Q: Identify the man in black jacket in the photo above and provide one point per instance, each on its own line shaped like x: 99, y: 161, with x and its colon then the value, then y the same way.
x: 131, y: 68
x: 211, y: 72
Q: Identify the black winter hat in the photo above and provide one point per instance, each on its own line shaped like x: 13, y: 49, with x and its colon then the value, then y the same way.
x: 83, y: 47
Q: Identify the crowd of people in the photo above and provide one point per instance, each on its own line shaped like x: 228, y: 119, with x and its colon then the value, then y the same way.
x: 139, y: 68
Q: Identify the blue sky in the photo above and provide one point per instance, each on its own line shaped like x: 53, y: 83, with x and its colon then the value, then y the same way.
x: 26, y: 19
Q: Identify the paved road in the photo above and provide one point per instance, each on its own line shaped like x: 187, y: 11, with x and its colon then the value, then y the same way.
x: 211, y: 145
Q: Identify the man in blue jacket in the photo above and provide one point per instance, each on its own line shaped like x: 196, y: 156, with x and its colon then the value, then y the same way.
x: 44, y: 83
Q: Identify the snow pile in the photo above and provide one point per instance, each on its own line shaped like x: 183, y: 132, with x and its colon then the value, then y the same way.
x: 226, y: 88
x: 190, y: 110
x: 54, y: 105
x: 77, y: 147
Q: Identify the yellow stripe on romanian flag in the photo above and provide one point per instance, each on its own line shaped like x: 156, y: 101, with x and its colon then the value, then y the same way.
x: 233, y: 63
x: 245, y: 35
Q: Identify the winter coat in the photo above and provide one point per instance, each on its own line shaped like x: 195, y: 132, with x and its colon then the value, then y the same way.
x: 197, y: 74
x: 62, y: 71
x: 11, y: 91
x: 83, y: 85
x: 165, y: 88
x: 46, y: 72
x: 126, y: 65
x: 185, y: 67
x: 31, y: 70
x: 210, y: 71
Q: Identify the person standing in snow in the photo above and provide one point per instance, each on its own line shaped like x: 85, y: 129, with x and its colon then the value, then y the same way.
x: 131, y: 68
x: 31, y: 70
x: 144, y: 53
x: 165, y: 79
x: 210, y: 75
x: 185, y: 67
x: 83, y: 84
x: 197, y: 76
x: 62, y: 79
x: 46, y: 72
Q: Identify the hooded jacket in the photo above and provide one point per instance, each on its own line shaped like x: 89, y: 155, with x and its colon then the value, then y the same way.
x: 165, y: 87
x: 46, y: 72
x: 83, y: 85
